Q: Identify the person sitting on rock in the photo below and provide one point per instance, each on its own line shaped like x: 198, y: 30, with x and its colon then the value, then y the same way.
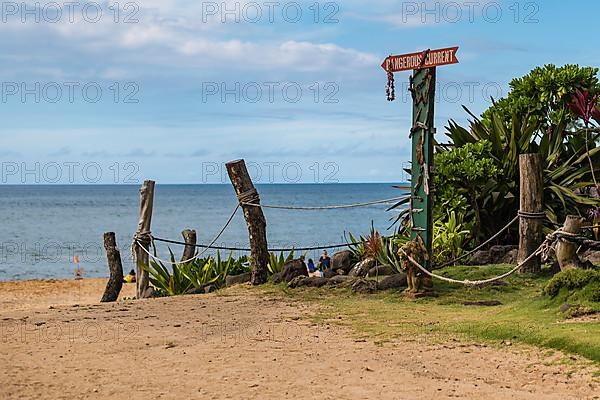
x: 324, y: 261
x: 311, y: 266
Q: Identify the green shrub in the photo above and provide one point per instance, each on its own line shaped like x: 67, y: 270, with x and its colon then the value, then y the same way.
x: 276, y: 263
x: 586, y: 282
x: 193, y: 274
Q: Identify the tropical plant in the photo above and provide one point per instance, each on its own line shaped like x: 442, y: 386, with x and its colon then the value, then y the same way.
x: 193, y: 274
x: 449, y: 238
x: 566, y: 172
x: 388, y: 250
x: 466, y: 176
x: 364, y: 246
x: 543, y: 95
x: 276, y: 263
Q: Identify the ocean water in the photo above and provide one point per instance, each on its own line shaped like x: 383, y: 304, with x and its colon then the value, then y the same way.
x: 42, y: 228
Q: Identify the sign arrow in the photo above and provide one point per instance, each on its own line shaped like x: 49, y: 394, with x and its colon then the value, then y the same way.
x: 421, y: 60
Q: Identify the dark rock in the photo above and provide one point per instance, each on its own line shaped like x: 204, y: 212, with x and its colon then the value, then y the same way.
x: 277, y: 277
x: 316, y: 281
x: 396, y: 281
x: 341, y: 280
x: 483, y: 303
x: 329, y: 273
x: 565, y: 307
x: 382, y: 270
x: 231, y: 280
x: 298, y: 281
x: 592, y: 256
x: 292, y: 269
x: 481, y: 257
x: 198, y: 290
x: 497, y: 253
x: 510, y: 257
x: 363, y: 286
x: 210, y: 288
x: 342, y: 260
x: 361, y: 269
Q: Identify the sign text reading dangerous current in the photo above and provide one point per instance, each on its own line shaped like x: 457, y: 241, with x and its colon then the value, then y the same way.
x: 424, y: 59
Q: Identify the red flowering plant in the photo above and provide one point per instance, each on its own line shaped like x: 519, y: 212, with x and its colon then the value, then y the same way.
x: 586, y: 107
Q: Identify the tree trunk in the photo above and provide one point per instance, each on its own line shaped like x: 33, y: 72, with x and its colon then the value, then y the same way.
x: 566, y: 252
x: 189, y: 236
x: 531, y: 228
x: 255, y: 219
x: 143, y: 236
x: 115, y: 282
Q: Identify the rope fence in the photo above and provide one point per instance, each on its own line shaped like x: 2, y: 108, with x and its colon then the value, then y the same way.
x: 333, y: 207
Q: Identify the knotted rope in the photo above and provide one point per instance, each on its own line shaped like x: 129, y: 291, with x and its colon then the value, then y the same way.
x: 478, y: 282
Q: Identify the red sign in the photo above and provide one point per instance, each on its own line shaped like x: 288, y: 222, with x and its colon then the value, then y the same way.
x: 424, y: 59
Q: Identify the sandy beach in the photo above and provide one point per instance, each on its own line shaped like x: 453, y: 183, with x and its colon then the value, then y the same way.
x: 58, y: 342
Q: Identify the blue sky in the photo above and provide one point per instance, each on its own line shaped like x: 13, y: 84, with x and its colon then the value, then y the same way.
x: 321, y: 115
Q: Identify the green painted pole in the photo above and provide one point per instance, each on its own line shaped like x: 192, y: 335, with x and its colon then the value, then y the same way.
x: 422, y: 133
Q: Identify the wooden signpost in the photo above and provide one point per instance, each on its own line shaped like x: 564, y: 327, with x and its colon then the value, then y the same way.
x: 422, y: 87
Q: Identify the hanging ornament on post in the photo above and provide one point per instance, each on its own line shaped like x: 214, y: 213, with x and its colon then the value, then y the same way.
x: 390, y: 89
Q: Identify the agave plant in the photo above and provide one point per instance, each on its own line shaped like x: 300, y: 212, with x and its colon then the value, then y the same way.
x: 388, y: 250
x: 193, y: 274
x: 276, y: 263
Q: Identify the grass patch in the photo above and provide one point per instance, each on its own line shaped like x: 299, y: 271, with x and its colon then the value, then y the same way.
x: 526, y: 315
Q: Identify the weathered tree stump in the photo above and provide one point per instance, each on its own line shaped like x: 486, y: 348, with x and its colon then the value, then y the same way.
x: 566, y: 252
x: 255, y: 219
x: 531, y: 226
x: 115, y: 282
x: 189, y: 251
x: 143, y: 237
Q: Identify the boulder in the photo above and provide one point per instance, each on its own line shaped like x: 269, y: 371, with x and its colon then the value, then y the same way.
x: 510, y: 257
x: 396, y: 281
x: 292, y: 269
x: 481, y: 257
x: 497, y: 253
x: 232, y: 280
x: 342, y: 260
x: 382, y: 270
x: 316, y: 281
x: 210, y: 288
x: 361, y: 269
x: 592, y: 256
x: 340, y: 280
x: 329, y: 273
x: 364, y: 286
x: 298, y: 281
x: 199, y: 290
x: 277, y: 277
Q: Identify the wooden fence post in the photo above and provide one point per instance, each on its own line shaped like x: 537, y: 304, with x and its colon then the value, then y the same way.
x: 143, y: 237
x: 255, y: 219
x: 531, y: 234
x: 115, y: 282
x: 189, y: 236
x: 566, y: 252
